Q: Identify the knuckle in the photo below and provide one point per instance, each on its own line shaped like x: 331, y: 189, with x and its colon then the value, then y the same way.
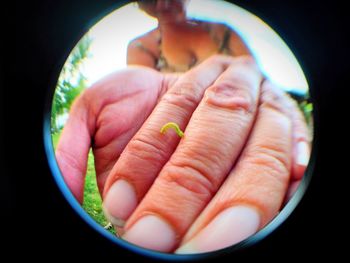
x: 272, y: 160
x: 68, y: 159
x: 274, y: 98
x: 219, y: 58
x: 235, y: 95
x: 184, y: 95
x: 247, y: 60
x: 189, y: 85
x: 144, y: 148
x: 273, y: 101
x: 190, y: 177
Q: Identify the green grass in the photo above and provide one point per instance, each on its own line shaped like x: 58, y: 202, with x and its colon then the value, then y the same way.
x: 92, y: 200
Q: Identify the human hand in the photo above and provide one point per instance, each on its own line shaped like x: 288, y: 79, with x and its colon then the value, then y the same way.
x: 181, y: 192
x: 245, y: 144
x: 107, y: 115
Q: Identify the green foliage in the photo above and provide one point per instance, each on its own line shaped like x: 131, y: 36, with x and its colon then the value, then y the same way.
x: 71, y: 81
x: 306, y: 107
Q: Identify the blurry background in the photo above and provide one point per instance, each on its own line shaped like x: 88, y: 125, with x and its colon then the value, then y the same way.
x: 103, y: 50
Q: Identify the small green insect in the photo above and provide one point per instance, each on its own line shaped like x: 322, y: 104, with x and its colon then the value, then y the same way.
x: 174, y: 126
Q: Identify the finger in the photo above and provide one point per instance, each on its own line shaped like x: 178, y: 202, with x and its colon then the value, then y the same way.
x: 149, y: 150
x: 73, y: 147
x: 301, y: 139
x: 301, y: 142
x: 213, y: 140
x: 254, y: 190
x: 301, y: 133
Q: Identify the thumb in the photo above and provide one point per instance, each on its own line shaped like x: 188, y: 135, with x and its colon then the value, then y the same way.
x: 73, y: 147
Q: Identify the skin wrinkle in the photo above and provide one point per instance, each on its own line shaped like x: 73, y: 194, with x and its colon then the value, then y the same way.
x: 177, y: 113
x: 167, y: 82
x: 215, y: 157
x: 139, y: 145
x: 104, y: 165
x: 123, y: 172
x: 236, y: 103
x: 114, y: 147
x: 101, y: 119
x: 70, y: 160
x: 206, y: 165
x: 277, y: 177
x: 266, y: 169
x: 182, y: 101
x: 190, y: 87
x: 73, y: 181
x: 99, y: 88
x: 110, y: 149
x: 263, y: 154
x: 179, y: 105
x: 205, y: 184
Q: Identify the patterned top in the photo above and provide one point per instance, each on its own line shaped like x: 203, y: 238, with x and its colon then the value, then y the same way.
x: 162, y: 63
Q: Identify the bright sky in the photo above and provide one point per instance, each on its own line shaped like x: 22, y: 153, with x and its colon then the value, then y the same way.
x: 112, y: 34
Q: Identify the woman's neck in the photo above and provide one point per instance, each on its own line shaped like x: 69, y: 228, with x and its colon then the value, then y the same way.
x: 173, y: 19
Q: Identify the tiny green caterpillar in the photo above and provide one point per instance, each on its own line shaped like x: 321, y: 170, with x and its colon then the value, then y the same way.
x: 174, y: 126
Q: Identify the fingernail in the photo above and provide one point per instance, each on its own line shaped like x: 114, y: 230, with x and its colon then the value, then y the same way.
x: 226, y: 229
x: 119, y: 203
x: 303, y: 153
x: 152, y: 232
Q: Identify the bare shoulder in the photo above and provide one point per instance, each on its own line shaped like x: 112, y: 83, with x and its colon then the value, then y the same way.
x: 149, y: 41
x: 227, y: 38
x: 218, y: 29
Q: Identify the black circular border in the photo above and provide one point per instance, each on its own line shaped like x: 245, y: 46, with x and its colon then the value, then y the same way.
x: 275, y: 223
x: 41, y: 223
